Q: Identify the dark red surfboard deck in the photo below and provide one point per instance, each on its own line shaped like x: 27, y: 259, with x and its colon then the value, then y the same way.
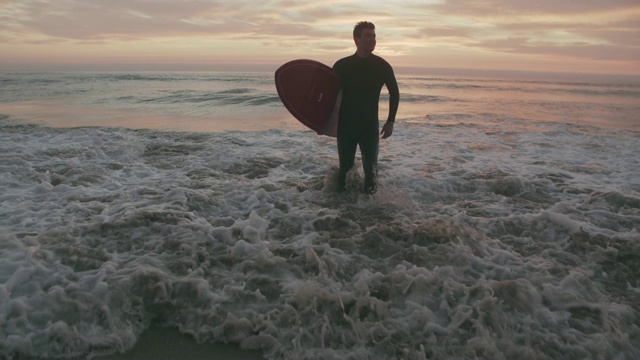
x: 309, y: 90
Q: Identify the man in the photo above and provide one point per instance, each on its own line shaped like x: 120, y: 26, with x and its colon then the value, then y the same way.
x: 362, y: 76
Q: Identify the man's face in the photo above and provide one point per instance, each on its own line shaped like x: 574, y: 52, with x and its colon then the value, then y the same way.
x: 366, y: 43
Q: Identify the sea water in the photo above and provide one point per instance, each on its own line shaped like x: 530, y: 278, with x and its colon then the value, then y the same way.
x: 505, y: 225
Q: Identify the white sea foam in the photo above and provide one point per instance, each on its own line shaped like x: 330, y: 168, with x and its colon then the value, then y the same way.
x: 493, y: 240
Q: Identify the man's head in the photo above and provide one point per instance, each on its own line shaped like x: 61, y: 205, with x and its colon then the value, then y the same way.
x: 364, y: 35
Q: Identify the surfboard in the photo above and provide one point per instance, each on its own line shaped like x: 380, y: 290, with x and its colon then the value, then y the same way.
x: 310, y: 90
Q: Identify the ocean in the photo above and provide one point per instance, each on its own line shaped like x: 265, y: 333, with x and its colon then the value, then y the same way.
x: 505, y: 226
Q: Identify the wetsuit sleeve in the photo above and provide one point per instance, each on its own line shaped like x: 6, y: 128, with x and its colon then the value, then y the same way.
x: 394, y: 96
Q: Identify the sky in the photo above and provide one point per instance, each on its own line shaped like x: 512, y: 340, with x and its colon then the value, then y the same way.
x: 581, y: 36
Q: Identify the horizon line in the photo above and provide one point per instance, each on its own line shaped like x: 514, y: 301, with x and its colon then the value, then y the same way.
x: 269, y: 67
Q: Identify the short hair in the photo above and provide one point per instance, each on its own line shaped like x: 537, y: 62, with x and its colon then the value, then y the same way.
x: 357, y: 30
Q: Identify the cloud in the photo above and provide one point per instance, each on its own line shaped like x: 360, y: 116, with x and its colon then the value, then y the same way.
x: 71, y: 19
x: 539, y: 7
x: 522, y: 45
x: 91, y: 19
x: 571, y: 29
x: 75, y: 19
x: 587, y: 29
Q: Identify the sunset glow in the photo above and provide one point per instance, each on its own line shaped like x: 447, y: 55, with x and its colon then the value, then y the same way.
x: 589, y: 36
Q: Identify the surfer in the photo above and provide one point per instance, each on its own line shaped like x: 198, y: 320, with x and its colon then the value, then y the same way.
x: 362, y: 76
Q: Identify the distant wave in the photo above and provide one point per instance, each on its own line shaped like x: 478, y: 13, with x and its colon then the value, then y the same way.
x: 417, y: 98
x: 527, y: 86
x: 240, y: 96
x: 138, y: 77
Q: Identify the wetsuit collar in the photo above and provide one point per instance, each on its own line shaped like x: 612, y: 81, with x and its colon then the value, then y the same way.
x: 363, y: 57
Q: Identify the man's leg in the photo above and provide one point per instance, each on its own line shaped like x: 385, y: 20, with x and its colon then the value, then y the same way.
x: 369, y: 150
x: 347, y: 146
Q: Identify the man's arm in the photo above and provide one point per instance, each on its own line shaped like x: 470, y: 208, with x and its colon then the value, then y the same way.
x: 394, y: 102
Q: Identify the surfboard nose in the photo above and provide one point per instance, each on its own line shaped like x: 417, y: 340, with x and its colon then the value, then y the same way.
x: 309, y: 90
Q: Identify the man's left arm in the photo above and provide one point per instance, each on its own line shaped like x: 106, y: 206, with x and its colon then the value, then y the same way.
x: 394, y: 102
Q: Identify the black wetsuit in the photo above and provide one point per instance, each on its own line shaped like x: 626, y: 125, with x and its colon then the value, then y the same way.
x: 362, y: 80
